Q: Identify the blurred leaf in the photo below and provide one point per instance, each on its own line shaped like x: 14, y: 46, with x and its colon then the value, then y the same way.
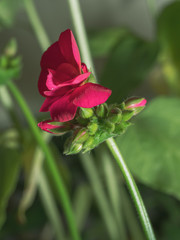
x: 169, y: 31
x: 9, y: 170
x: 128, y: 66
x: 151, y: 146
x: 7, y: 75
x: 8, y: 10
x: 103, y: 41
x: 82, y: 202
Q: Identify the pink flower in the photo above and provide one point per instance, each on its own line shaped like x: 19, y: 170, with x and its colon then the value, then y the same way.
x: 133, y: 103
x: 64, y: 81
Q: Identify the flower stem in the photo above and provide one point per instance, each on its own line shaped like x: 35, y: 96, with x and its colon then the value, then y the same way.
x: 82, y: 39
x: 58, y: 182
x: 80, y: 30
x: 36, y: 24
x: 132, y: 189
x: 99, y: 193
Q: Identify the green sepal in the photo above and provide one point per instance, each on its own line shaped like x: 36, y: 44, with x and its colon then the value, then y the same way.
x: 86, y: 112
x: 92, y: 128
x: 115, y: 115
x: 127, y: 115
x: 102, y: 110
x: 80, y: 136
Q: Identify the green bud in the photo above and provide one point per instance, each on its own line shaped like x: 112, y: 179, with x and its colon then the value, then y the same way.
x: 127, y: 115
x: 89, y: 143
x: 80, y: 136
x: 115, y: 115
x: 86, y: 112
x: 3, y: 62
x: 75, y: 148
x: 121, y: 127
x: 11, y: 48
x: 108, y: 126
x: 92, y: 128
x: 102, y: 110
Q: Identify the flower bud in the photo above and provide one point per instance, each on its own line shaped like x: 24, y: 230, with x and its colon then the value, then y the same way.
x: 80, y: 136
x: 86, y: 112
x: 92, y: 128
x: 101, y: 110
x: 88, y: 144
x: 108, y: 126
x: 127, y: 115
x: 75, y: 148
x: 133, y: 103
x: 121, y: 127
x: 115, y: 115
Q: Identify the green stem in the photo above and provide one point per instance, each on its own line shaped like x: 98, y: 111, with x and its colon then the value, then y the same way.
x: 58, y: 182
x: 101, y: 198
x: 80, y: 30
x: 36, y: 24
x: 50, y: 205
x: 132, y: 189
x: 82, y: 39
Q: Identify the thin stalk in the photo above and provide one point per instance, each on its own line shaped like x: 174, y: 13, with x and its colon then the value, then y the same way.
x: 36, y: 24
x: 113, y: 189
x: 82, y: 39
x: 101, y: 198
x: 80, y: 30
x: 50, y: 206
x: 58, y: 182
x: 132, y: 189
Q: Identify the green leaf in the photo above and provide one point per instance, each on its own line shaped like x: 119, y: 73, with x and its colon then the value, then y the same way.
x: 9, y: 170
x: 169, y: 31
x: 151, y: 147
x: 8, y: 10
x: 128, y: 66
x: 103, y: 41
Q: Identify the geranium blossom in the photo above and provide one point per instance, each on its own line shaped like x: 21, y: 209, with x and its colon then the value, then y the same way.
x: 64, y: 81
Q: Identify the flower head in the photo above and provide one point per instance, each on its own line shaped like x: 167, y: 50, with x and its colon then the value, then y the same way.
x: 64, y: 81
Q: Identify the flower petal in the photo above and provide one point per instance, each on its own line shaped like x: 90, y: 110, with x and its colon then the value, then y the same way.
x: 63, y: 110
x: 45, y: 125
x: 65, y: 72
x: 90, y: 95
x: 84, y: 68
x: 52, y: 57
x: 69, y: 49
x: 47, y: 103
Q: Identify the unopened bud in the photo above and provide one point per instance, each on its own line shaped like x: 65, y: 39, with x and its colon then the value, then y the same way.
x: 86, y: 112
x: 108, y: 126
x: 127, y: 115
x: 101, y: 110
x: 115, y: 115
x: 11, y: 48
x: 80, y: 136
x: 121, y: 127
x: 89, y: 143
x: 92, y: 128
x: 133, y: 103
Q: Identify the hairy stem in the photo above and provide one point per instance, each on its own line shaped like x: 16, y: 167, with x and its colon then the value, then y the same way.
x: 132, y: 189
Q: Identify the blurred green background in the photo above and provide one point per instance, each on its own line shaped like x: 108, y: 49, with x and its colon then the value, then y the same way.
x: 135, y: 47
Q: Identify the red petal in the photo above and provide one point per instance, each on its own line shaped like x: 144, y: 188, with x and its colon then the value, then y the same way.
x: 84, y: 68
x: 69, y: 48
x: 47, y: 103
x: 63, y: 110
x: 65, y: 72
x: 44, y: 125
x: 51, y: 58
x: 90, y: 95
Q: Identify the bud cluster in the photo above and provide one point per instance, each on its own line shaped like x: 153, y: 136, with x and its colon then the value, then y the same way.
x: 92, y: 126
x: 10, y: 64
